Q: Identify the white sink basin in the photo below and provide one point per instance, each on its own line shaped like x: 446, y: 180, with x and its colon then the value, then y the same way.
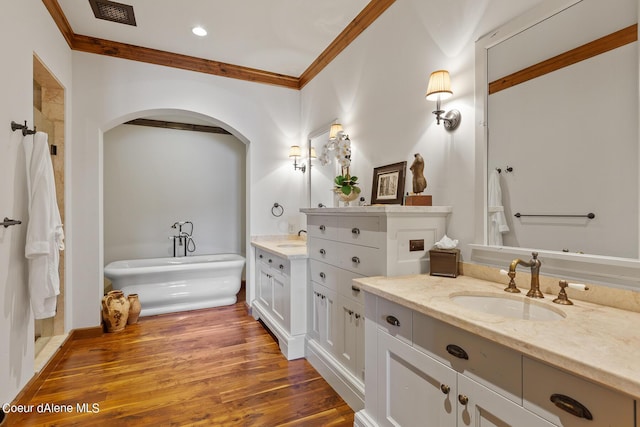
x: 291, y: 245
x: 511, y: 306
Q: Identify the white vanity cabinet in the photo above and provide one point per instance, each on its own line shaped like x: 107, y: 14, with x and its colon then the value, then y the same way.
x: 349, y: 243
x: 428, y: 372
x: 281, y: 300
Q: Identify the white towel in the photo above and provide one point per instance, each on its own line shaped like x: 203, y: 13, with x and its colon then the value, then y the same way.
x: 45, y: 237
x: 497, y: 220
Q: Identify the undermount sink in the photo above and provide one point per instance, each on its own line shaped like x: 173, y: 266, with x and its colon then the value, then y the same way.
x: 513, y: 307
x: 291, y: 245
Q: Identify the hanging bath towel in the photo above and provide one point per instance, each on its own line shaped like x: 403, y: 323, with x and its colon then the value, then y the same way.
x: 45, y: 237
x: 497, y: 220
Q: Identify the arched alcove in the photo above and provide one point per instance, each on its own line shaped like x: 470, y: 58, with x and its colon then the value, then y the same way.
x: 157, y: 173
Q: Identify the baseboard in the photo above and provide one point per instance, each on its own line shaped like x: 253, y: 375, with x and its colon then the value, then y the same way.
x: 362, y: 419
x: 291, y: 346
x: 34, y: 384
x: 343, y: 382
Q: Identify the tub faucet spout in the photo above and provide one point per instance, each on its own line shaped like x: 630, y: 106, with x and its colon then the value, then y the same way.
x: 534, y: 264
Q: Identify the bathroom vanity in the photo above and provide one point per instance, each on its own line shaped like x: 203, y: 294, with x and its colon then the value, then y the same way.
x: 350, y: 243
x: 281, y: 291
x: 435, y: 359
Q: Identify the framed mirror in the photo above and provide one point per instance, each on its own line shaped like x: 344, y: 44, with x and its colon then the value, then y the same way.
x: 561, y: 125
x: 321, y: 177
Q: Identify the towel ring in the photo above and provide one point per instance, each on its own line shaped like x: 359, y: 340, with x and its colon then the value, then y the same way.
x: 274, y: 209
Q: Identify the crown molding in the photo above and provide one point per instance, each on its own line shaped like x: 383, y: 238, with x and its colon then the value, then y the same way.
x: 98, y: 46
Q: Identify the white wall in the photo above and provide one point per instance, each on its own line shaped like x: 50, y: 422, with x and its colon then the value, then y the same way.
x: 26, y: 28
x: 376, y: 88
x: 154, y: 177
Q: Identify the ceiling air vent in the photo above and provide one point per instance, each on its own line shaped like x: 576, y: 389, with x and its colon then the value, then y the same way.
x: 112, y: 11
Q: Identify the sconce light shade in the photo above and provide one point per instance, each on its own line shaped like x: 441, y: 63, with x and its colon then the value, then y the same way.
x: 313, y: 153
x: 439, y: 88
x: 295, y: 151
x: 439, y: 85
x: 335, y: 129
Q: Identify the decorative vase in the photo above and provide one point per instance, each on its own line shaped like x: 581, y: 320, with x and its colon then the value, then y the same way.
x: 134, y: 309
x: 115, y: 311
x: 346, y: 198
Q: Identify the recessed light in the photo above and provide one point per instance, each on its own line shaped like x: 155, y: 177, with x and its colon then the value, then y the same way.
x: 199, y: 31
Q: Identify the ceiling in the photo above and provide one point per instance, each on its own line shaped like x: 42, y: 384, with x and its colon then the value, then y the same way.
x: 276, y: 38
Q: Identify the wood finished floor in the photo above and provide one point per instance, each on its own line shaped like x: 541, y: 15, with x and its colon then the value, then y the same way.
x: 214, y: 367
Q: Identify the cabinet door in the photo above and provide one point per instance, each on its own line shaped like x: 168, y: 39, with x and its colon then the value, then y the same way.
x: 351, y: 334
x: 413, y: 389
x: 265, y: 290
x: 480, y: 407
x: 280, y: 303
x: 325, y: 317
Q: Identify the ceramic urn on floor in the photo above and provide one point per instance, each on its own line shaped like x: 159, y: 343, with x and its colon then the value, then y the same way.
x: 115, y: 311
x: 134, y: 309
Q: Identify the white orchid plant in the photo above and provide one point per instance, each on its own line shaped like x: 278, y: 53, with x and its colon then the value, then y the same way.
x: 341, y: 148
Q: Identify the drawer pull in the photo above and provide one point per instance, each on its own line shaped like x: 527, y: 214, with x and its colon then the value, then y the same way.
x: 355, y: 259
x: 445, y: 388
x: 270, y: 260
x: 463, y: 399
x: 322, y: 275
x: 571, y: 406
x: 457, y: 351
x: 322, y: 228
x: 392, y: 320
x: 260, y: 256
x: 323, y: 252
x: 358, y: 316
x: 355, y: 288
x: 355, y: 230
x: 281, y: 267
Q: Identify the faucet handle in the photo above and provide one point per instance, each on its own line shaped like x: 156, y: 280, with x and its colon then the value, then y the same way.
x: 511, y: 288
x: 562, y: 295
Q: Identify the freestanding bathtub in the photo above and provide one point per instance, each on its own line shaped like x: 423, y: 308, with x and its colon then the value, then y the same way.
x: 166, y: 285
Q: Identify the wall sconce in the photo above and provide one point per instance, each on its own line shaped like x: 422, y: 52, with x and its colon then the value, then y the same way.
x: 334, y: 131
x: 440, y: 88
x: 296, y: 152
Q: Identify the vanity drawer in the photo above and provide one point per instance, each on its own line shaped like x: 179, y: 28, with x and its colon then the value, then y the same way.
x: 360, y: 230
x: 395, y: 319
x: 273, y: 261
x: 542, y: 383
x: 360, y: 259
x: 323, y: 250
x: 325, y: 274
x: 347, y: 288
x: 486, y: 362
x: 323, y: 226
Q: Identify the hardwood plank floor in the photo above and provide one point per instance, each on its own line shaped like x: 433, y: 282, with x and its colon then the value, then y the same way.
x: 201, y: 368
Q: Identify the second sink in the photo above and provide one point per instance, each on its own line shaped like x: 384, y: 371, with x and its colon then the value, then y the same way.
x: 513, y: 307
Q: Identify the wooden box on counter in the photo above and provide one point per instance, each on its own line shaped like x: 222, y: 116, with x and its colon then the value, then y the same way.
x: 444, y: 262
x: 417, y: 200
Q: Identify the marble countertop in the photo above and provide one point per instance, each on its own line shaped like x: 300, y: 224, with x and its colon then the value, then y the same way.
x: 596, y: 342
x: 379, y: 209
x: 290, y: 247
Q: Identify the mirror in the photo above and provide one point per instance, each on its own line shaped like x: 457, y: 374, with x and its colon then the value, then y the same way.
x: 321, y: 177
x: 566, y: 142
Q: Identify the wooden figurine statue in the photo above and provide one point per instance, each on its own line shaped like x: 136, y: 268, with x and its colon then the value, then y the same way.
x: 417, y: 169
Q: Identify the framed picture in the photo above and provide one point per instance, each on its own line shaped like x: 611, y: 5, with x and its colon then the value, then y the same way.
x: 388, y: 184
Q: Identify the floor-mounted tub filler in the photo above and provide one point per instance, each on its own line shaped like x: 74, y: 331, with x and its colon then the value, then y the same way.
x: 166, y: 285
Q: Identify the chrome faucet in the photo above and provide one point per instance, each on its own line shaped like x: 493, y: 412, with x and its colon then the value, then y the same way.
x: 183, y: 238
x: 534, y: 264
